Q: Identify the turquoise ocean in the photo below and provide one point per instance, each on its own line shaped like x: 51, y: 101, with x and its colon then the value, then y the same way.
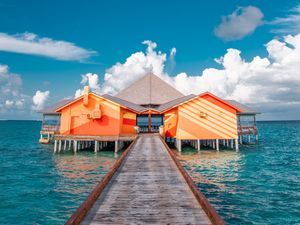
x: 258, y: 185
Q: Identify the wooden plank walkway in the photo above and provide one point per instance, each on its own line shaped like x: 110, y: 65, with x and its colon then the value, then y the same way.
x: 147, y: 189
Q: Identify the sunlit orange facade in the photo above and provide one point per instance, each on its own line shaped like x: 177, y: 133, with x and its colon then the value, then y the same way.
x: 193, y: 117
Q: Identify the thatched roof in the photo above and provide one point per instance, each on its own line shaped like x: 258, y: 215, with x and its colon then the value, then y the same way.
x: 149, y: 90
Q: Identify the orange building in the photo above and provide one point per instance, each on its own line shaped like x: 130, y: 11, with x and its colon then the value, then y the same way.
x: 150, y: 105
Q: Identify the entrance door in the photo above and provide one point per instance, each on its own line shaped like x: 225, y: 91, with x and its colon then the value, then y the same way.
x: 143, y: 123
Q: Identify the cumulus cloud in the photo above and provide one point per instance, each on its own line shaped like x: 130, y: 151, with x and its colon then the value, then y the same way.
x: 289, y: 24
x: 90, y: 79
x: 266, y: 83
x: 138, y: 64
x: 12, y: 101
x: 242, y: 22
x: 39, y: 99
x: 29, y: 43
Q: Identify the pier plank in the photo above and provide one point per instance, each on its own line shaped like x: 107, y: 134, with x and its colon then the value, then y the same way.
x: 147, y: 189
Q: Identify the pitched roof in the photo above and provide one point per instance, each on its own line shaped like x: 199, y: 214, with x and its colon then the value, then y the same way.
x: 175, y: 102
x: 244, y: 109
x: 125, y: 103
x: 52, y: 108
x: 149, y: 90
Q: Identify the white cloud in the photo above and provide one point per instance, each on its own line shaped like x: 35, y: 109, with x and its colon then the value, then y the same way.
x: 9, y: 103
x: 29, y: 43
x: 39, y: 99
x: 138, y: 64
x: 264, y: 83
x: 242, y: 22
x: 91, y: 80
x: 289, y: 24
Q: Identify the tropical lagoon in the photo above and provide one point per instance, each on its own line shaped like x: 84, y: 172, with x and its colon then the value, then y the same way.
x: 257, y: 185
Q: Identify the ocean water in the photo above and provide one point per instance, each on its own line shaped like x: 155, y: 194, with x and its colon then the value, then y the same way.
x: 37, y: 186
x: 258, y: 185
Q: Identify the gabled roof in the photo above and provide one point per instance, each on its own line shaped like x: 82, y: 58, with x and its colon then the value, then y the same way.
x: 175, y: 102
x: 52, y: 109
x: 149, y: 90
x: 122, y: 102
x: 243, y: 108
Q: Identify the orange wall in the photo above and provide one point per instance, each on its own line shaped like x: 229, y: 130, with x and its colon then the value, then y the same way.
x: 170, y: 123
x: 74, y: 119
x: 220, y: 123
x: 128, y: 121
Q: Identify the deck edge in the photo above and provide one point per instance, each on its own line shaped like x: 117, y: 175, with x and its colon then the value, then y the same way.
x: 78, y: 216
x: 210, y: 211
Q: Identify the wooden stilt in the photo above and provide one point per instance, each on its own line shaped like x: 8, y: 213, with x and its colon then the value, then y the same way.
x: 70, y: 143
x: 116, y: 146
x: 236, y: 145
x: 59, y: 145
x: 249, y: 139
x: 65, y: 145
x: 55, y: 146
x: 241, y: 139
x: 217, y: 144
x: 179, y: 145
x: 227, y: 144
x: 96, y: 146
x: 198, y: 145
x: 75, y: 146
x: 231, y: 143
x: 213, y: 144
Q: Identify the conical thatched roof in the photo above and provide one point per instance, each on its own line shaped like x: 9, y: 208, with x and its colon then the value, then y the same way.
x: 149, y: 90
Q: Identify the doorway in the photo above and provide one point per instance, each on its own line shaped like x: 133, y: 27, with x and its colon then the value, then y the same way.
x: 149, y: 123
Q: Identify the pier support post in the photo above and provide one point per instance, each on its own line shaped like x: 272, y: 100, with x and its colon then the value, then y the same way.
x: 96, y: 146
x: 241, y: 139
x: 116, y: 146
x: 55, y: 146
x: 198, y: 145
x: 256, y: 138
x: 179, y: 145
x: 70, y: 143
x: 227, y: 144
x: 213, y: 144
x: 249, y: 139
x: 75, y: 146
x: 65, y: 145
x: 217, y: 144
x: 236, y: 145
x: 231, y: 143
x: 59, y: 145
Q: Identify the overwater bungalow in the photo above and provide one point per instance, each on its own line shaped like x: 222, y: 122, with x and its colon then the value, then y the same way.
x: 148, y: 105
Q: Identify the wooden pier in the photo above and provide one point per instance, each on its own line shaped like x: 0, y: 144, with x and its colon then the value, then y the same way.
x: 147, y: 185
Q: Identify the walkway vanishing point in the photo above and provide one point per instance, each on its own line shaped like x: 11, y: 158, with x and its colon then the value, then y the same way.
x: 149, y: 186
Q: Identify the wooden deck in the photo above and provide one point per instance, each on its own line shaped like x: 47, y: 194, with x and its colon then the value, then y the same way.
x: 148, y: 188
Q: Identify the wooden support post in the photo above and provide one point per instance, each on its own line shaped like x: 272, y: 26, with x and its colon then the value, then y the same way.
x: 65, y: 145
x: 249, y: 138
x: 198, y: 145
x: 70, y: 143
x: 241, y: 139
x: 213, y: 144
x: 179, y: 145
x: 231, y: 143
x: 75, y: 146
x: 59, y: 145
x: 55, y: 146
x: 116, y: 146
x: 236, y: 145
x: 256, y: 138
x: 227, y: 144
x: 96, y: 146
x: 217, y: 144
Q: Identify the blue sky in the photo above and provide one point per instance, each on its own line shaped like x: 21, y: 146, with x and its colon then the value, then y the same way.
x: 107, y: 32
